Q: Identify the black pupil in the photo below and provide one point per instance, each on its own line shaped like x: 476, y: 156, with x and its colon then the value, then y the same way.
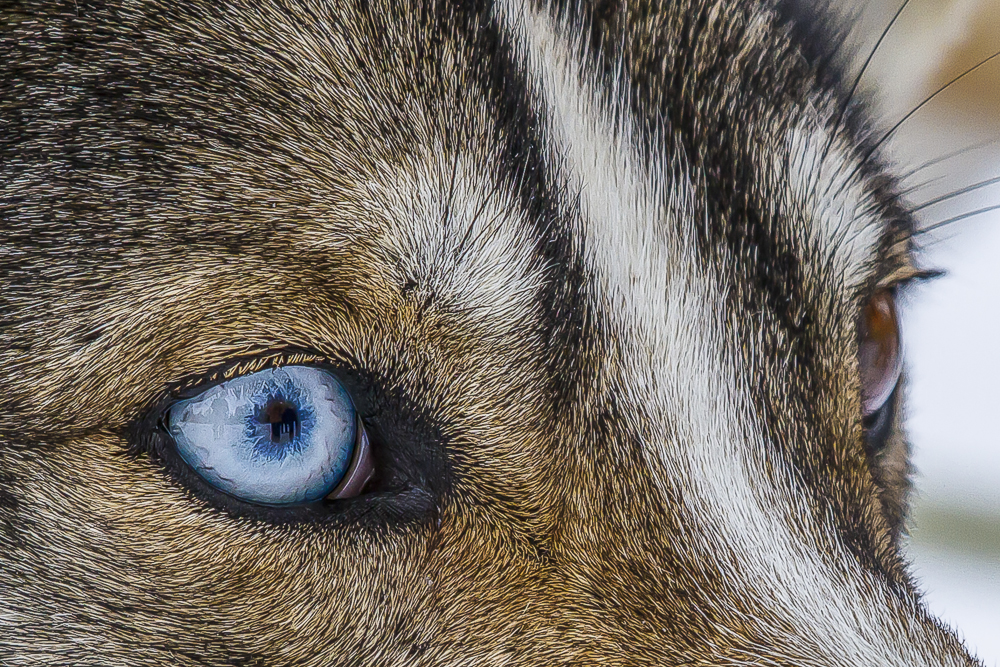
x: 284, y: 421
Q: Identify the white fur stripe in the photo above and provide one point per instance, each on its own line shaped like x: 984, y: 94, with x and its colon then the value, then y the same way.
x: 453, y: 230
x: 841, y: 230
x: 665, y: 319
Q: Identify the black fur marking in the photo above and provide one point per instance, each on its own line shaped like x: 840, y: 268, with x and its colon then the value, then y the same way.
x: 672, y: 102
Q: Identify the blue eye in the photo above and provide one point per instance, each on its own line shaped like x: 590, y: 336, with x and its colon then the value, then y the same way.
x: 278, y: 437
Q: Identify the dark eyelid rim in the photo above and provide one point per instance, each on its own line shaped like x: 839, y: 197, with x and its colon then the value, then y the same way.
x: 381, y: 509
x: 921, y: 276
x: 878, y: 425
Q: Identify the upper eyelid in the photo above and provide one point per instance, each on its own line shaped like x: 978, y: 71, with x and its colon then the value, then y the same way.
x: 362, y: 388
x: 905, y: 276
x: 902, y: 287
x: 195, y: 383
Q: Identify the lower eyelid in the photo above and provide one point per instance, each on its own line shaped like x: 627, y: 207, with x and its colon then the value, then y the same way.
x: 878, y: 425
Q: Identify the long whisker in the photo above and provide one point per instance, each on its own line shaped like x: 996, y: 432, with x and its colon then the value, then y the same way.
x: 927, y: 100
x: 857, y: 80
x: 956, y: 193
x: 950, y: 155
x: 957, y: 218
x: 917, y: 187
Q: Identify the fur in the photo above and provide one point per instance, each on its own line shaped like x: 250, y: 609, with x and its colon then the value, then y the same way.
x: 591, y: 272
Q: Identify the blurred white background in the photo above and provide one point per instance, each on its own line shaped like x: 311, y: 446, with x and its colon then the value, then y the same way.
x: 952, y: 324
x: 951, y: 330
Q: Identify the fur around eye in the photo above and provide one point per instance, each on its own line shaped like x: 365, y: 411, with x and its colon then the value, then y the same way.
x: 281, y: 436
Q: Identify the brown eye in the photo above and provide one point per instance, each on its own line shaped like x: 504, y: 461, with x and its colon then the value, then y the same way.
x: 879, y: 354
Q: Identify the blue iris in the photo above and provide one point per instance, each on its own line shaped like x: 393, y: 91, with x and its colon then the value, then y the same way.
x: 277, y: 437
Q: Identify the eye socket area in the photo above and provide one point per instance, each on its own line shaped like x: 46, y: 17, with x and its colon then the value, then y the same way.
x: 880, y: 352
x: 279, y: 437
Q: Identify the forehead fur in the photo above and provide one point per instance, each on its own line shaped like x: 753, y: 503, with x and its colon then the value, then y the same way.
x: 591, y: 273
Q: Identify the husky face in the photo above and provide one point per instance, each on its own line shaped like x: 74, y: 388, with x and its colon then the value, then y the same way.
x: 592, y: 277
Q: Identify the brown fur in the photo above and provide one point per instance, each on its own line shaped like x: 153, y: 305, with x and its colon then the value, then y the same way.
x: 195, y: 191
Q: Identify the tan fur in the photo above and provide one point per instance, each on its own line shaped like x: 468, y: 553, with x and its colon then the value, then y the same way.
x: 205, y: 190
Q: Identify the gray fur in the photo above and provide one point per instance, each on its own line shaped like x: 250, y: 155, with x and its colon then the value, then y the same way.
x: 194, y: 191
